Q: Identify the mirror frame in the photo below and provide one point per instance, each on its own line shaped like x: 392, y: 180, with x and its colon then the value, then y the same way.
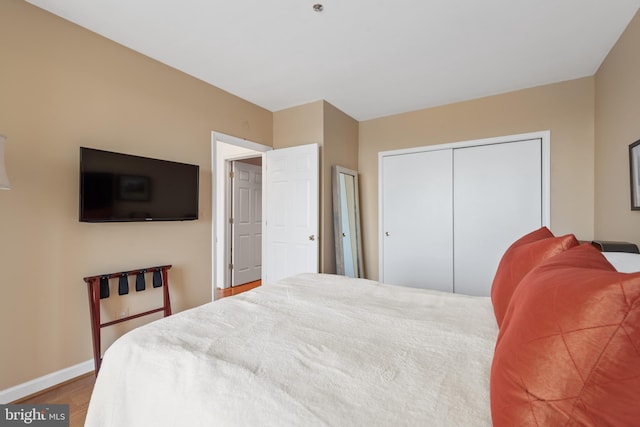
x: 337, y: 220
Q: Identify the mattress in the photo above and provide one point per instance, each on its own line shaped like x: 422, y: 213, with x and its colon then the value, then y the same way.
x: 312, y: 350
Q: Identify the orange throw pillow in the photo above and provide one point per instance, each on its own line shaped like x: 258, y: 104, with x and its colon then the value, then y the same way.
x: 571, y: 352
x: 521, y: 257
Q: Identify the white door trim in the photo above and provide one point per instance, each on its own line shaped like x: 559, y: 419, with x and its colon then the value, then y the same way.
x: 218, y: 179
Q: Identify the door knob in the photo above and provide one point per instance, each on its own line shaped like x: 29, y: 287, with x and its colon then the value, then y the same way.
x: 386, y: 233
x: 344, y: 234
x: 312, y: 237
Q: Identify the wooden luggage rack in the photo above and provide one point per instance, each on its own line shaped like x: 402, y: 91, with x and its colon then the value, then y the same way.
x: 98, y: 288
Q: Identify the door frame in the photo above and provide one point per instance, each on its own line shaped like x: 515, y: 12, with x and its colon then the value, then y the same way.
x: 218, y: 183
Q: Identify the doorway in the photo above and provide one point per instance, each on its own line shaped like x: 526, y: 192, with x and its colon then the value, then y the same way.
x: 225, y: 151
x: 290, y: 200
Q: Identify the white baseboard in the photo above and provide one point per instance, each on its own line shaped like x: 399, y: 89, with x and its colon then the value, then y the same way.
x: 30, y: 387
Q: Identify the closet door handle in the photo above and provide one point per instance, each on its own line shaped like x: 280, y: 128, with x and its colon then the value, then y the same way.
x: 312, y: 237
x: 386, y: 233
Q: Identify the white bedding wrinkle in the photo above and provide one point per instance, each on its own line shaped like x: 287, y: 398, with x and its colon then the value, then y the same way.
x: 312, y: 350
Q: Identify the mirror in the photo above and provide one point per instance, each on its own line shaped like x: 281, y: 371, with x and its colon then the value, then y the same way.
x: 346, y: 220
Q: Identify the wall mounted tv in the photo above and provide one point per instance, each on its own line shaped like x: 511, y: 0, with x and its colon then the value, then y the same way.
x: 117, y: 187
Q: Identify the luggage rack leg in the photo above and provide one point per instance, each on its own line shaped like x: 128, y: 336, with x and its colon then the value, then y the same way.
x: 93, y: 289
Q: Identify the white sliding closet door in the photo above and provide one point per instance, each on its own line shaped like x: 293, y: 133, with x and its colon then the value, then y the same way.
x: 417, y: 220
x: 497, y: 198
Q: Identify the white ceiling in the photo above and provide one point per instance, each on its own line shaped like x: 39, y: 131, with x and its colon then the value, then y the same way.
x: 368, y: 58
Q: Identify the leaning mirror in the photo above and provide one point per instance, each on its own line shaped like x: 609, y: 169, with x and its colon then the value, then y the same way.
x: 346, y: 220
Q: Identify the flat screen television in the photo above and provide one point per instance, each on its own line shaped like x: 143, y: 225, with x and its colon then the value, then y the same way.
x: 116, y: 187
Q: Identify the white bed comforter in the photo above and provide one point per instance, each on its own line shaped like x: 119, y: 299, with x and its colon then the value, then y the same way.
x: 312, y: 350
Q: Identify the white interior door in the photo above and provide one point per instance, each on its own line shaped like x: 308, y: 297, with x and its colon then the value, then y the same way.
x: 246, y: 223
x: 417, y: 220
x: 291, y: 212
x: 497, y: 198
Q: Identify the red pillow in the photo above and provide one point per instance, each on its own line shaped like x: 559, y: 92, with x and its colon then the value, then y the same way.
x: 571, y: 352
x: 521, y: 257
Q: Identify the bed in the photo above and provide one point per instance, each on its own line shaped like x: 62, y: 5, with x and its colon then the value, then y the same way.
x: 326, y: 350
x: 309, y: 350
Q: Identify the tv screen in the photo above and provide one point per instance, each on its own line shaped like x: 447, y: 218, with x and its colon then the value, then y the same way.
x: 116, y: 187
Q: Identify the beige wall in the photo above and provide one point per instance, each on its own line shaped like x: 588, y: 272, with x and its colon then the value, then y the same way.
x: 340, y: 148
x: 298, y: 125
x: 63, y: 87
x: 337, y: 136
x: 566, y: 109
x: 617, y: 117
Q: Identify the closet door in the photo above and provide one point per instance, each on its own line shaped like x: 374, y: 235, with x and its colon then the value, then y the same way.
x: 417, y: 220
x: 497, y: 199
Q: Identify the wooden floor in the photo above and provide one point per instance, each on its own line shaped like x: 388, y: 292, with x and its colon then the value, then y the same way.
x: 221, y: 293
x: 77, y: 392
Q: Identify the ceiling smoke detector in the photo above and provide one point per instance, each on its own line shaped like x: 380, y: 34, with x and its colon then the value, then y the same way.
x: 318, y: 7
